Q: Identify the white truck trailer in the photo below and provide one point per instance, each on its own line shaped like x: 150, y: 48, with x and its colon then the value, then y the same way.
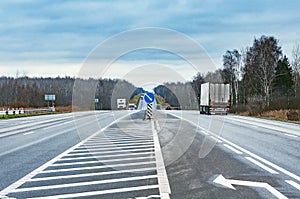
x: 214, y: 99
x: 121, y: 104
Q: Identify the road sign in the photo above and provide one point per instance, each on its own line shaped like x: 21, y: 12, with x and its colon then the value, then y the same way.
x: 149, y: 97
x: 50, y: 97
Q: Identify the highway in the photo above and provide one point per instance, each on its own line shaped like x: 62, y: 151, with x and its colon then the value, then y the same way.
x: 178, y: 154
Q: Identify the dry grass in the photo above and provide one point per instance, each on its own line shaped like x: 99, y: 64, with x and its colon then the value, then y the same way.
x: 63, y: 109
x: 285, y: 114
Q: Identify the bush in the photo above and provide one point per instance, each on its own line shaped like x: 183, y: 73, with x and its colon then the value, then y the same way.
x: 293, y: 115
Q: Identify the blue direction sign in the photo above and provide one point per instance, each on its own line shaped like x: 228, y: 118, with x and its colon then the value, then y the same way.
x: 149, y: 97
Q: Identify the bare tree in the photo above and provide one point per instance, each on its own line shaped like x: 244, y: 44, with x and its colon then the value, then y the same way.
x: 261, y: 61
x: 296, y: 66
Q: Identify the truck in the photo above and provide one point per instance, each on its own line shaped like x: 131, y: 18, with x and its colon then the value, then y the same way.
x: 131, y: 106
x: 214, y: 98
x: 121, y: 103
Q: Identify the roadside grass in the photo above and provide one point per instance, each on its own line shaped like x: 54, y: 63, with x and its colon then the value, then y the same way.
x: 283, y: 114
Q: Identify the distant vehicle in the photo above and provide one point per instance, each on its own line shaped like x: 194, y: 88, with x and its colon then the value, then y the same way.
x: 131, y: 106
x: 121, y: 104
x: 214, y: 99
x: 168, y: 108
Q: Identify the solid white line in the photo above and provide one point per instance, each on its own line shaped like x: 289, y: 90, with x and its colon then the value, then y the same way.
x: 204, y: 132
x: 112, y: 148
x: 95, y: 193
x: 97, y: 167
x: 31, y: 132
x: 108, y: 156
x: 290, y: 135
x: 163, y: 182
x: 294, y: 184
x: 107, y: 152
x: 110, y: 145
x: 21, y: 181
x: 59, y: 186
x: 116, y: 143
x: 102, y: 161
x: 216, y: 139
x: 232, y: 149
x: 91, y: 174
x: 248, y: 152
x: 261, y: 165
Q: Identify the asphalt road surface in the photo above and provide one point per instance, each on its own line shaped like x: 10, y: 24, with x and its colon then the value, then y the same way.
x: 178, y: 154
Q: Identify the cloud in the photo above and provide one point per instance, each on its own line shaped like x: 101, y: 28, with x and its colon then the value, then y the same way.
x: 64, y: 32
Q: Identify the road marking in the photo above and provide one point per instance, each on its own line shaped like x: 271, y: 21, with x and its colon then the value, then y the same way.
x: 157, y: 125
x: 29, y: 176
x: 290, y: 135
x: 292, y: 175
x: 94, y: 193
x: 111, y: 148
x: 261, y: 165
x: 204, y: 132
x: 102, y: 161
x: 294, y: 184
x: 228, y: 183
x: 108, y: 152
x: 88, y: 183
x: 163, y: 182
x: 109, y: 143
x: 91, y: 174
x: 98, y: 167
x: 232, y: 149
x: 108, y: 156
x: 28, y: 133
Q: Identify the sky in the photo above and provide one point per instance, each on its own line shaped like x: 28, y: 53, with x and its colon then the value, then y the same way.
x: 55, y: 38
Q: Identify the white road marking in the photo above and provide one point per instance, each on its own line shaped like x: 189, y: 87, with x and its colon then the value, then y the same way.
x: 294, y: 184
x: 204, y: 132
x: 102, y: 161
x: 88, y: 183
x: 108, y: 152
x: 246, y: 151
x: 91, y: 174
x: 97, y: 167
x: 261, y: 165
x: 228, y: 183
x: 290, y: 135
x: 95, y: 193
x: 108, y: 156
x: 110, y: 148
x: 109, y: 143
x: 163, y: 182
x: 157, y: 125
x: 233, y: 149
x: 29, y: 176
x: 28, y: 133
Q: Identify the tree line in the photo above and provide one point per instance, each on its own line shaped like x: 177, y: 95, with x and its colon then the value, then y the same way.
x: 30, y: 92
x: 260, y: 76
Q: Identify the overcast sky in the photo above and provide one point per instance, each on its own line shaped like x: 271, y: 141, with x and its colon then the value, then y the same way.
x: 51, y: 38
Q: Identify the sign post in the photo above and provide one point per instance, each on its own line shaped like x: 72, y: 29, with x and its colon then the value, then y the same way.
x: 149, y: 99
x: 51, y: 98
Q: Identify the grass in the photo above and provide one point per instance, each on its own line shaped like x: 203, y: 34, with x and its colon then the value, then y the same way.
x: 283, y: 115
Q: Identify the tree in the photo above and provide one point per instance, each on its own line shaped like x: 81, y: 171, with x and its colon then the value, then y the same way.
x: 283, y: 81
x: 231, y: 71
x: 296, y: 66
x: 196, y: 84
x: 261, y: 61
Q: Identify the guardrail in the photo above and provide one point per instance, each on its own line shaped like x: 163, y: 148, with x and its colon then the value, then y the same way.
x: 21, y: 111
